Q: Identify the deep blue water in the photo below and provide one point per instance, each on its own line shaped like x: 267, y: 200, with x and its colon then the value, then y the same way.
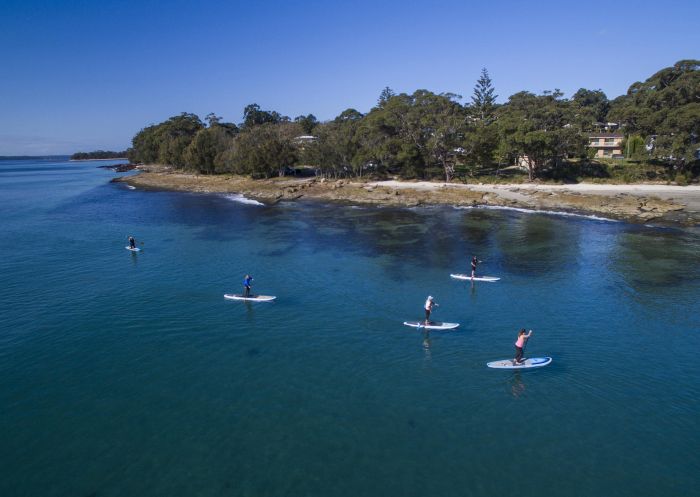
x: 125, y: 374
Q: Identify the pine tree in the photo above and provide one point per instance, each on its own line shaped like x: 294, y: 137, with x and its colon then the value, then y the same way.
x: 483, y: 98
x: 384, y: 96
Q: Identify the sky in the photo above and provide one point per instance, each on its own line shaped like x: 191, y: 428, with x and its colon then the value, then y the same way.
x: 88, y: 75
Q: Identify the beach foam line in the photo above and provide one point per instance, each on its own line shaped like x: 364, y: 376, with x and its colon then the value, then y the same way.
x: 537, y: 211
x: 237, y: 197
x: 131, y: 187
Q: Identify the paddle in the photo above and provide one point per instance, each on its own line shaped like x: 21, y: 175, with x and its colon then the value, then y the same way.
x: 525, y: 345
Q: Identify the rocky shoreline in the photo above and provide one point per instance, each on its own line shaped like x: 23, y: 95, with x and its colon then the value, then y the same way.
x: 659, y: 203
x: 119, y: 168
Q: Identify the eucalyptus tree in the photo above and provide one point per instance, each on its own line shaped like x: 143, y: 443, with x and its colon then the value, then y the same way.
x: 431, y: 127
x: 205, y: 152
x: 589, y: 107
x: 446, y: 126
x: 307, y: 123
x: 263, y: 151
x: 254, y: 116
x: 537, y: 131
x: 166, y: 142
x: 335, y: 151
x: 479, y: 147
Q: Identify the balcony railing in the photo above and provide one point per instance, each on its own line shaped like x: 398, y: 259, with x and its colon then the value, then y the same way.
x: 605, y: 145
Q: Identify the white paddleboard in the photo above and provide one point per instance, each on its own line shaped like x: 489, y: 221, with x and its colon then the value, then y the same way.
x: 533, y: 362
x: 434, y: 325
x: 252, y: 298
x: 135, y: 249
x: 468, y: 277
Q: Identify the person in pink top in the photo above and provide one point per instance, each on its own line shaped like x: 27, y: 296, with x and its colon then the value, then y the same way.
x: 520, y: 344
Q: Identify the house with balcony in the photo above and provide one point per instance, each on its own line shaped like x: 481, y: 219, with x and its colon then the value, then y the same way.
x: 607, y: 145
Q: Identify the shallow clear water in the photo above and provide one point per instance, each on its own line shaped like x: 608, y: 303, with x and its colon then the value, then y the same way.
x: 125, y: 374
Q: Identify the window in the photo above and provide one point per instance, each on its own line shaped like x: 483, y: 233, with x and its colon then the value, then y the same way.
x: 610, y: 141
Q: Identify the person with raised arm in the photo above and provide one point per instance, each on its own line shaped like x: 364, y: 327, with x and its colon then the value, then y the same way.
x: 520, y: 345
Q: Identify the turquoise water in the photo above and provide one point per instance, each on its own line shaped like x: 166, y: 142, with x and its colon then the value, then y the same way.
x: 124, y: 374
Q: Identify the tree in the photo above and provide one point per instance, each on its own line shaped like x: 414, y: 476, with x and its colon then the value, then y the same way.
x: 425, y: 135
x: 536, y: 130
x: 335, y: 153
x: 590, y: 106
x: 483, y: 99
x: 166, y: 142
x: 212, y: 119
x: 205, y: 151
x: 254, y: 116
x: 307, y: 123
x: 446, y: 126
x: 480, y: 144
x: 667, y: 106
x: 98, y: 154
x: 263, y: 150
x: 635, y: 148
x: 385, y: 96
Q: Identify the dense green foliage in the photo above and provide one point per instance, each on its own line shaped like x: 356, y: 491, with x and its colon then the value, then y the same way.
x: 98, y: 154
x: 635, y: 148
x: 426, y: 135
x: 665, y: 109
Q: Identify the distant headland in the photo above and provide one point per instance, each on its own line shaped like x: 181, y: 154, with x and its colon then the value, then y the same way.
x: 98, y: 155
x: 33, y: 157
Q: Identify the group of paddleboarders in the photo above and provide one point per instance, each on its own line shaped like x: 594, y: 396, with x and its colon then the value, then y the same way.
x: 522, y: 339
x: 429, y: 305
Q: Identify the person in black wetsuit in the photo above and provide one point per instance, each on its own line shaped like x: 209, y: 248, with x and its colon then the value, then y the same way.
x: 132, y: 242
x: 475, y: 261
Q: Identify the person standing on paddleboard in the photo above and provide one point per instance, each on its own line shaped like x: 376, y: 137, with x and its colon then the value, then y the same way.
x: 246, y: 285
x: 520, y: 344
x: 475, y: 261
x: 429, y: 304
x: 132, y: 242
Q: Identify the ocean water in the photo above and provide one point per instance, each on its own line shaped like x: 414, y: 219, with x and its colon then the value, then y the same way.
x: 129, y: 374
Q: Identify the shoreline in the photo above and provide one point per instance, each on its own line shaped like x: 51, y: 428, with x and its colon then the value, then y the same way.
x: 638, y: 203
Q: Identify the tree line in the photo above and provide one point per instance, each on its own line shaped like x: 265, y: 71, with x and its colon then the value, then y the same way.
x: 426, y: 135
x: 99, y: 154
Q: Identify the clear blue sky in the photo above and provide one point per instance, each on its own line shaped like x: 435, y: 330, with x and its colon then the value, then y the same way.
x: 85, y: 75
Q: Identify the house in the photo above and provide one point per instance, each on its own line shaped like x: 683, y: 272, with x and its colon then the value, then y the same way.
x: 305, y: 139
x: 607, y: 145
x: 524, y: 162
